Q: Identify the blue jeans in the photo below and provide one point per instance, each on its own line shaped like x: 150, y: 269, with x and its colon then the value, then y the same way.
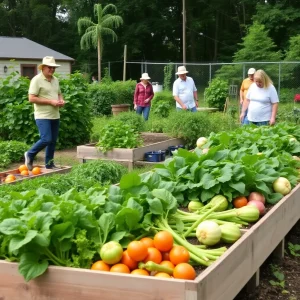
x: 263, y: 123
x: 193, y: 109
x: 245, y: 121
x: 145, y: 110
x: 48, y: 130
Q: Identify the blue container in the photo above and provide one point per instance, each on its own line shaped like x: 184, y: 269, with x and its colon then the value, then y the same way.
x: 155, y: 156
x: 173, y: 148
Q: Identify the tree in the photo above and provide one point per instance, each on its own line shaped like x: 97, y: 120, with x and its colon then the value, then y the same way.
x: 93, y: 33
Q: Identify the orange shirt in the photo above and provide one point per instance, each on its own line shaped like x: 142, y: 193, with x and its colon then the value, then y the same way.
x: 245, y: 86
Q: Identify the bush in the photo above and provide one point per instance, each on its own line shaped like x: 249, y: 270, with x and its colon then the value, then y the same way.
x: 287, y: 95
x: 216, y: 93
x: 189, y: 126
x: 106, y: 93
x: 132, y: 119
x: 156, y: 124
x: 162, y: 103
x: 16, y: 112
x: 11, y: 151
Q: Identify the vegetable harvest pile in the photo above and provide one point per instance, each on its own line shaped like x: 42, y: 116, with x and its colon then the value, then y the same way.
x: 225, y: 187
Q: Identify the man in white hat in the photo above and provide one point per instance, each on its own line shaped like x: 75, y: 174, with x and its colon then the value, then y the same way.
x: 143, y: 95
x: 185, y: 91
x: 243, y: 91
x: 44, y: 92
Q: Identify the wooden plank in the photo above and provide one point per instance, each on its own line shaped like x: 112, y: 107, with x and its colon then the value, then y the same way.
x: 69, y: 284
x: 237, y: 265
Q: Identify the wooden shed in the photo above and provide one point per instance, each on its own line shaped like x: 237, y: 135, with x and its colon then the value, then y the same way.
x: 23, y: 55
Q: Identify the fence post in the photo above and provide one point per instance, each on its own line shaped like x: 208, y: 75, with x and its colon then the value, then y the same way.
x: 279, y: 75
x: 109, y: 68
x: 210, y: 72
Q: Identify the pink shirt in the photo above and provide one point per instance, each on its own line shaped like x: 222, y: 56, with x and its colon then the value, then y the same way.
x: 142, y: 93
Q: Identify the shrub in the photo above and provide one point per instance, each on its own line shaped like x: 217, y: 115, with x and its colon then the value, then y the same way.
x: 287, y: 95
x: 162, y: 103
x: 156, y: 124
x: 124, y: 92
x: 16, y: 112
x: 11, y: 151
x: 132, y: 119
x: 189, y: 126
x: 168, y: 73
x: 216, y: 93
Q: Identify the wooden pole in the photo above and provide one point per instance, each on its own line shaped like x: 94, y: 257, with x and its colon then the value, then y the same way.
x: 183, y: 32
x: 124, y: 67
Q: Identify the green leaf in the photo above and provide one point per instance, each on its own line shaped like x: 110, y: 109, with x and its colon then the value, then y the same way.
x: 207, y: 181
x: 238, y: 186
x: 30, y: 265
x: 18, y: 241
x: 11, y: 226
x: 155, y: 206
x: 130, y: 180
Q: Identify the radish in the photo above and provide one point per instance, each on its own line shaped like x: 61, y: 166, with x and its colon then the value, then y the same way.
x: 257, y: 197
x: 260, y: 206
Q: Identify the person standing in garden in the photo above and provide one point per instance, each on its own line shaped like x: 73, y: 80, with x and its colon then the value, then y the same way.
x: 261, y: 101
x: 45, y: 94
x: 243, y: 91
x: 142, y: 96
x: 185, y: 91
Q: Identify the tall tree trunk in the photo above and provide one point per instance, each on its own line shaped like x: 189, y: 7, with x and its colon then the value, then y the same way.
x: 216, y: 37
x: 99, y: 60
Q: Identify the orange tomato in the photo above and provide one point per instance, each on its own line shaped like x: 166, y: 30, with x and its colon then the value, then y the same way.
x: 167, y: 263
x: 140, y: 272
x: 184, y: 271
x: 100, y: 266
x: 147, y: 241
x: 240, y: 202
x: 137, y: 250
x: 153, y: 255
x: 23, y: 168
x: 128, y: 261
x: 9, y: 179
x: 179, y: 254
x: 25, y: 173
x: 120, y: 268
x: 162, y: 275
x: 12, y: 176
x: 36, y: 171
x: 163, y: 241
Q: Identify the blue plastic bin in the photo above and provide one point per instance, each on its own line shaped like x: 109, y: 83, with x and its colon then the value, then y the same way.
x: 155, y: 156
x: 173, y: 148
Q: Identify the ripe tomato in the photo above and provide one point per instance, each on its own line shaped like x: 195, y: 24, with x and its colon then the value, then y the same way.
x: 147, y: 241
x: 36, y: 171
x: 179, y: 254
x: 184, y: 271
x: 100, y: 265
x: 23, y: 168
x: 167, y: 263
x: 128, y: 261
x: 153, y: 255
x: 240, y: 202
x: 111, y: 252
x: 163, y: 241
x: 137, y: 250
x: 140, y: 272
x: 120, y: 268
x: 25, y: 173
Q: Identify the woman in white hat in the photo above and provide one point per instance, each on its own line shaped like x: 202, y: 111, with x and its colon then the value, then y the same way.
x: 185, y: 91
x: 142, y: 96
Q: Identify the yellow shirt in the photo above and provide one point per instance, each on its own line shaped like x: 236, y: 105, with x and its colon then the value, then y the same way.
x: 245, y: 86
x: 43, y: 88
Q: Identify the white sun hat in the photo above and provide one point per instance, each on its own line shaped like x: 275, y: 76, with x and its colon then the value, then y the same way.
x: 181, y: 70
x: 48, y: 61
x: 145, y: 76
x: 251, y: 71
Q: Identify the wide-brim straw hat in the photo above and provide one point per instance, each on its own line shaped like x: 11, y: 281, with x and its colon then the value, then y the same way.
x: 145, y: 76
x: 48, y: 61
x: 181, y: 70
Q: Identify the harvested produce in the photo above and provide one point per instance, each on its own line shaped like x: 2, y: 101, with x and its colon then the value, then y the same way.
x: 111, y: 252
x: 208, y: 233
x: 260, y: 206
x: 230, y: 233
x: 282, y: 186
x: 100, y: 265
x: 257, y: 197
x: 137, y: 250
x: 163, y: 241
x: 195, y: 205
x: 201, y: 142
x: 240, y: 202
x: 184, y: 271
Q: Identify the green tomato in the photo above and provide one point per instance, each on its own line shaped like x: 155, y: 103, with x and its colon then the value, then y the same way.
x: 111, y: 252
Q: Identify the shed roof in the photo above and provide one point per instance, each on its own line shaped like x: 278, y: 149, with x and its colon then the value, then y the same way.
x: 23, y: 48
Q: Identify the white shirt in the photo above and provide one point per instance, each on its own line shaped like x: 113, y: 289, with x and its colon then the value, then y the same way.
x: 185, y: 89
x: 261, y: 100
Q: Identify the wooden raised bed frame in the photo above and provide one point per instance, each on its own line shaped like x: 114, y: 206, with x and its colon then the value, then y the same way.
x: 44, y: 172
x: 90, y: 151
x: 221, y: 281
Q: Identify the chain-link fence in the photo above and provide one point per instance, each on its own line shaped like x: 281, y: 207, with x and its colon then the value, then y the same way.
x: 285, y: 75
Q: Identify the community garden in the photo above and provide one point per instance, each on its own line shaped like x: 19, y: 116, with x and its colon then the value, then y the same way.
x: 198, y: 225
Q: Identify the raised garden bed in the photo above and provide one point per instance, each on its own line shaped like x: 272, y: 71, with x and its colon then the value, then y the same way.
x: 152, y: 142
x: 221, y: 281
x: 44, y: 172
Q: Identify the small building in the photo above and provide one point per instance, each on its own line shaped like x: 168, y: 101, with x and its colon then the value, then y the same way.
x: 23, y: 55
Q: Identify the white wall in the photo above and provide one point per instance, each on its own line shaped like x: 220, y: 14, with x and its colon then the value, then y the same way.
x: 12, y: 66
